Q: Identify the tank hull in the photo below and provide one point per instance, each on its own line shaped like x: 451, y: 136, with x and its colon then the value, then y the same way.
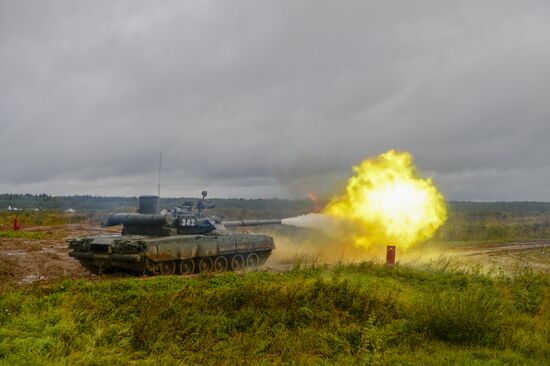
x: 184, y: 254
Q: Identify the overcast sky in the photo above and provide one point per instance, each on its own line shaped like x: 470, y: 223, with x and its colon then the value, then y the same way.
x: 273, y: 98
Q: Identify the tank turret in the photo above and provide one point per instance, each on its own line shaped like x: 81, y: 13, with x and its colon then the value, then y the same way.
x: 183, y: 239
x: 180, y: 220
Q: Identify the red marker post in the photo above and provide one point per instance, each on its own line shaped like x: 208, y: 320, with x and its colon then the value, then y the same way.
x: 390, y: 256
x: 16, y: 224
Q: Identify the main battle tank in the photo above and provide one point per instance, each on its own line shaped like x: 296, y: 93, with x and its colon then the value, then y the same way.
x: 182, y: 240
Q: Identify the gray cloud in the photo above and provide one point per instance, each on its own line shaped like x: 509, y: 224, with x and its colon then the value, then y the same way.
x: 251, y: 98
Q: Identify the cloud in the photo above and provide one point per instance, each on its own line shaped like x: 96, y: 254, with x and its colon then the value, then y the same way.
x: 270, y: 99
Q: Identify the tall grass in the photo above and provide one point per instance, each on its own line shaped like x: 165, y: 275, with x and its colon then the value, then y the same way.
x: 360, y: 313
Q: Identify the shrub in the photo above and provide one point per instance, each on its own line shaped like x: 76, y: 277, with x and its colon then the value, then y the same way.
x: 474, y: 315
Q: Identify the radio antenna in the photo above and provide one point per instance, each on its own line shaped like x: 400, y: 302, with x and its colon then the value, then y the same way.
x: 160, y: 164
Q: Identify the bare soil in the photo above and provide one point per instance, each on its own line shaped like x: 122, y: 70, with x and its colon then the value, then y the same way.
x: 532, y: 254
x: 24, y: 260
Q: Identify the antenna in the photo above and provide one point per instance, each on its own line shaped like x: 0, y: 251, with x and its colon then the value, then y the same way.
x: 160, y: 164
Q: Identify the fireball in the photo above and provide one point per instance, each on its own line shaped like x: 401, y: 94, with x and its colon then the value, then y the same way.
x: 389, y: 203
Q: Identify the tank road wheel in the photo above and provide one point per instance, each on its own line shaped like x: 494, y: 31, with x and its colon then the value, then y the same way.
x: 167, y: 267
x: 252, y: 261
x: 205, y: 265
x: 263, y: 257
x: 187, y: 267
x: 237, y: 262
x: 220, y: 264
x: 89, y: 266
x: 151, y: 266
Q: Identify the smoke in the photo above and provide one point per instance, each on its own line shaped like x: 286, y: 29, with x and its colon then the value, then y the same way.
x: 320, y: 237
x: 329, y: 233
x: 324, y: 239
x: 325, y: 223
x: 314, y: 198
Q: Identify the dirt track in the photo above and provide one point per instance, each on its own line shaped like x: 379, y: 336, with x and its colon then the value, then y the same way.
x: 533, y: 254
x: 24, y: 260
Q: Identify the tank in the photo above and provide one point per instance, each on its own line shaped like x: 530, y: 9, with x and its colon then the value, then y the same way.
x: 183, y: 240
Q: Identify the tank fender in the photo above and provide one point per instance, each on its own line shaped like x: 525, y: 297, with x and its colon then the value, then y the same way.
x: 264, y: 242
x: 168, y: 252
x: 188, y: 251
x: 244, y: 242
x: 226, y: 243
x: 207, y: 246
x: 152, y: 253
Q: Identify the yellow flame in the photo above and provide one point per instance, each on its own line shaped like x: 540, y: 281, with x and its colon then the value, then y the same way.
x: 389, y: 203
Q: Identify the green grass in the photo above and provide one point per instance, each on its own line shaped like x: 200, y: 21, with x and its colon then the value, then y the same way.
x: 355, y: 314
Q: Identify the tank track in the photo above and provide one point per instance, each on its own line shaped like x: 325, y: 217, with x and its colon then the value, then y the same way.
x: 213, y: 264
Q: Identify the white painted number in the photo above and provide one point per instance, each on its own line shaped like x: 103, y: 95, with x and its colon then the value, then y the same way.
x: 187, y: 222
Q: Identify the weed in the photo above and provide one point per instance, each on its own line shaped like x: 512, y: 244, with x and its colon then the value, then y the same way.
x: 359, y: 313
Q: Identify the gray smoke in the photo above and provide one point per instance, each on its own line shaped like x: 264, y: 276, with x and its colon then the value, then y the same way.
x: 322, y: 222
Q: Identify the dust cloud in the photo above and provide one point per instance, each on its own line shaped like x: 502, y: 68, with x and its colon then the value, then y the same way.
x: 319, y: 238
x: 324, y: 239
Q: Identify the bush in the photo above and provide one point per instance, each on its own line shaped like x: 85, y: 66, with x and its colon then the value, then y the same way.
x: 356, y: 314
x: 475, y: 315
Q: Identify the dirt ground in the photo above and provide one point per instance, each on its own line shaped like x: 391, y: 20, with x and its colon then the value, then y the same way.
x: 507, y: 256
x: 24, y: 261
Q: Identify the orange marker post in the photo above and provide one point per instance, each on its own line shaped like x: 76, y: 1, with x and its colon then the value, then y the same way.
x: 390, y: 255
x: 16, y: 224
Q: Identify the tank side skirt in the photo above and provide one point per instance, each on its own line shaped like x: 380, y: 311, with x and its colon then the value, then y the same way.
x: 106, y: 261
x: 179, y: 249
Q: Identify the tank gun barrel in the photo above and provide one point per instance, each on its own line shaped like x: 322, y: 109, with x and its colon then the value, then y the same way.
x: 251, y: 222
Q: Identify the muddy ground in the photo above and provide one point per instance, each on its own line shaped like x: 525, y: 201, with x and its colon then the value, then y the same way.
x: 24, y: 260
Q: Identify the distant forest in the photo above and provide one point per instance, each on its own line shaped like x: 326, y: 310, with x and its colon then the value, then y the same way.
x: 101, y: 203
x: 478, y: 221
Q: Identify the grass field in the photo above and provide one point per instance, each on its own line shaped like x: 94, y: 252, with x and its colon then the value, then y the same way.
x: 350, y: 314
x: 41, y: 218
x: 345, y: 314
